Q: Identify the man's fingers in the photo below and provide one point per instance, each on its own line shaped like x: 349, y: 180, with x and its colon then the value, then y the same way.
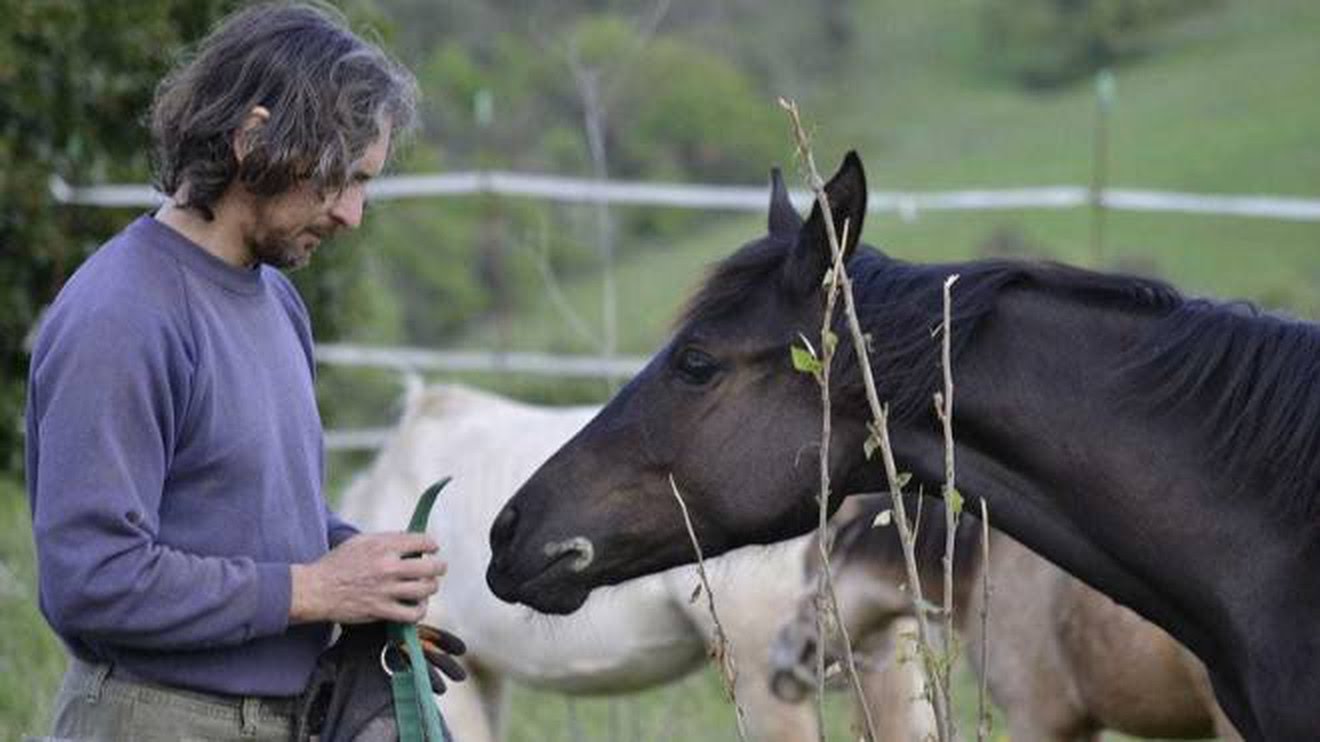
x: 401, y: 612
x: 411, y: 543
x: 413, y: 591
x: 415, y: 569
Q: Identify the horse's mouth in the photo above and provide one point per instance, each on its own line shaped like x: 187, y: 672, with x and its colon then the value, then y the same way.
x: 555, y: 587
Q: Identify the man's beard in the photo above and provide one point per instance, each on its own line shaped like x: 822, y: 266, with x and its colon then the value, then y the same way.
x: 284, y: 251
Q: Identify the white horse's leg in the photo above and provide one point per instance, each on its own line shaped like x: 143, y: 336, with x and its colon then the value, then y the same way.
x: 753, y: 593
x: 895, y: 689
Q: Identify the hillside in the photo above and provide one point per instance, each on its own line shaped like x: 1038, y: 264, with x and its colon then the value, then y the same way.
x: 1223, y: 106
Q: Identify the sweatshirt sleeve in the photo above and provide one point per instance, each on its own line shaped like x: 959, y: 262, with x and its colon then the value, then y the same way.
x: 109, y: 387
x: 339, y: 530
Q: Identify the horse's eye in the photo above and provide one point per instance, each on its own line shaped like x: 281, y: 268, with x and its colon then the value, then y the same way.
x: 696, y: 367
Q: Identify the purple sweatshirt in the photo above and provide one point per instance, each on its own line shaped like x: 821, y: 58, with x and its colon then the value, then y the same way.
x: 174, y: 467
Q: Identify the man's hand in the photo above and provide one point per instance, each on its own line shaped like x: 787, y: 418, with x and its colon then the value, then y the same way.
x: 369, y: 577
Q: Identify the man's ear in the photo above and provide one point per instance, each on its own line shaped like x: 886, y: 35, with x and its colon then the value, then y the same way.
x: 254, y: 120
x: 811, y: 256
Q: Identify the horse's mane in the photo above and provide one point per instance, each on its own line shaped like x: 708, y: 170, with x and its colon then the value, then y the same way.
x: 881, y: 542
x: 729, y: 281
x: 901, y: 307
x: 1248, y: 378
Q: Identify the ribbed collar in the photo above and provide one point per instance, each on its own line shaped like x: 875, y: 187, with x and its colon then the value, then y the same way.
x: 194, y: 258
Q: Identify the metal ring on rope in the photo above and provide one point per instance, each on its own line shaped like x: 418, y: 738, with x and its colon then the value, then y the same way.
x: 404, y: 665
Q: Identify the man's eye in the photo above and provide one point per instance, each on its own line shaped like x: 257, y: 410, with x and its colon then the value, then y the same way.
x: 696, y: 367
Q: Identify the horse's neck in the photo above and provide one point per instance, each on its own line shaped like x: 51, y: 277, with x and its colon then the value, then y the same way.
x: 1114, y: 491
x: 1039, y: 438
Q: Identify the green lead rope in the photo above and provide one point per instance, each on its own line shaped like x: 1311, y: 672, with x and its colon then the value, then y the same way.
x: 415, y: 710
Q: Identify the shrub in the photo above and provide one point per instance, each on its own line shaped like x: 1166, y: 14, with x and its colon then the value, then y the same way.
x: 1048, y: 43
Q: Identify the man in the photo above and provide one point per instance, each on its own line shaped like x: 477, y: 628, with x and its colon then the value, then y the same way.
x: 187, y: 557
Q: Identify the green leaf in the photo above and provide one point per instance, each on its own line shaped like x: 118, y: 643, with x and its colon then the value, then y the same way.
x: 883, y: 518
x: 955, y: 500
x: 870, y: 445
x: 903, y: 479
x: 805, y: 361
x: 831, y: 342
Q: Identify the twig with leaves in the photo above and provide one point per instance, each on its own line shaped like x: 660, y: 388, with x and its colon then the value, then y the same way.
x: 953, y: 500
x: 723, y: 657
x: 879, y: 435
x: 808, y: 360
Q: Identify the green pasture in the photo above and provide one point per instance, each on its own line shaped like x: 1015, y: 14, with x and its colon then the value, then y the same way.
x: 1225, y: 107
x: 32, y: 660
x: 1226, y: 104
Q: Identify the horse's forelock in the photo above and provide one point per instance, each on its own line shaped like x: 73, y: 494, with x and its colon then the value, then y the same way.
x: 729, y: 282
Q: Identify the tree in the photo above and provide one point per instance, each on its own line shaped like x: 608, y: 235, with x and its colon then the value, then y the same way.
x: 76, y: 81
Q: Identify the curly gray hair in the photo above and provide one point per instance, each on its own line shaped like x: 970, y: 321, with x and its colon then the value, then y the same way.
x: 329, y: 94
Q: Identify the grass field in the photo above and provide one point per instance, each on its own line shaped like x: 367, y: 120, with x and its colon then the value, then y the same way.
x: 31, y: 659
x: 1222, y: 107
x: 1227, y: 104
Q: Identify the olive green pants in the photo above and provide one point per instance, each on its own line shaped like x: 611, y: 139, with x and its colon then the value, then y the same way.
x: 94, y: 704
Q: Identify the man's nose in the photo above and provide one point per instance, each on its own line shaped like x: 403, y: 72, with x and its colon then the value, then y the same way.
x: 348, y: 206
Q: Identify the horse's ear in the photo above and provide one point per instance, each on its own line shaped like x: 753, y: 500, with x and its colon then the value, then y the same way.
x: 811, y: 256
x: 784, y: 219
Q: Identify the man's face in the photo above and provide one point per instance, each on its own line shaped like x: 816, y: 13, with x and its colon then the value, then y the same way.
x: 287, y: 228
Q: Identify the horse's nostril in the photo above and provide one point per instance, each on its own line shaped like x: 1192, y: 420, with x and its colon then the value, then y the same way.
x: 787, y: 687
x: 501, y: 532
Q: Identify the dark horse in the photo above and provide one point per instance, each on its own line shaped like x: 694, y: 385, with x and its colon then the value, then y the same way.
x: 1164, y: 450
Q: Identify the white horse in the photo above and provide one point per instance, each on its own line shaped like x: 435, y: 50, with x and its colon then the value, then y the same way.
x: 640, y: 634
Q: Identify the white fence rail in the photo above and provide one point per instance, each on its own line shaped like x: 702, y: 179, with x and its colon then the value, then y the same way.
x: 409, y: 361
x: 729, y: 198
x: 360, y: 439
x: 742, y: 198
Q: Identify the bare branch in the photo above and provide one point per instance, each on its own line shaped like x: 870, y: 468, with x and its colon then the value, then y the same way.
x: 879, y: 428
x: 595, y: 93
x: 982, y: 710
x: 825, y: 583
x: 723, y: 657
x: 541, y: 252
x: 952, y: 499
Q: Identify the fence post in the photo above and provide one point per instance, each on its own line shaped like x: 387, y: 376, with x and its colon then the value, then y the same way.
x: 1104, y: 98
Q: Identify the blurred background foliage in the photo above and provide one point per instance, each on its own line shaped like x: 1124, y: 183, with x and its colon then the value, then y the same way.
x: 1214, y: 96
x: 1048, y: 43
x: 684, y: 90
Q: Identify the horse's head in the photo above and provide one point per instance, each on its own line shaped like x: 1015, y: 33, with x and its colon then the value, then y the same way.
x: 719, y: 412
x: 870, y: 583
